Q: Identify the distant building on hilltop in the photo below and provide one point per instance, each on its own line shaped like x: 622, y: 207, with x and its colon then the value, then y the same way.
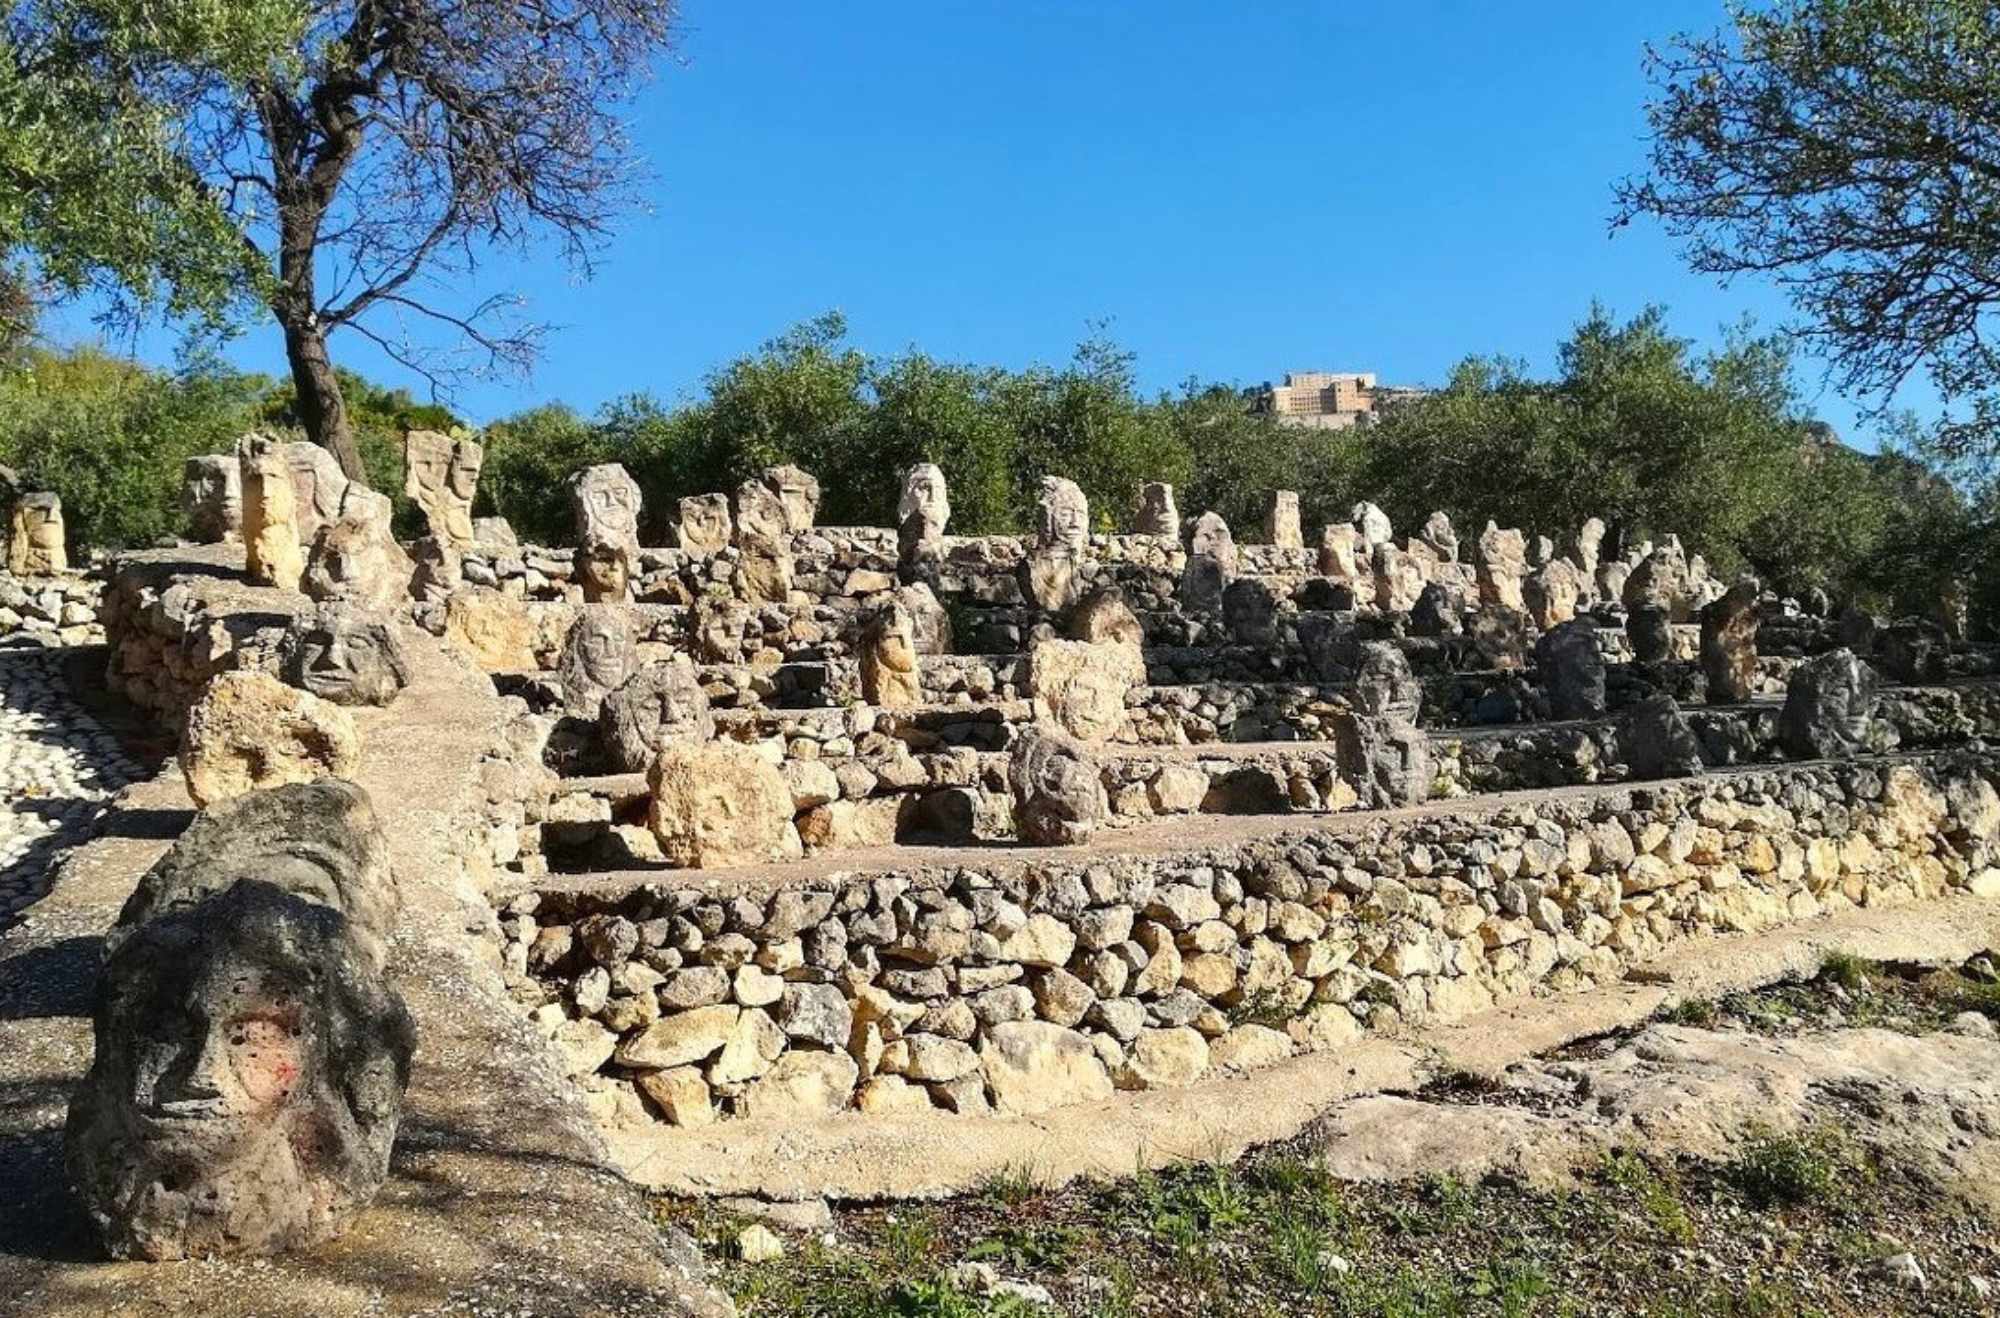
x: 1327, y: 400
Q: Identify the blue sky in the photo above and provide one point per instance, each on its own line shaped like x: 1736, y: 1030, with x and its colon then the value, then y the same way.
x: 1239, y: 189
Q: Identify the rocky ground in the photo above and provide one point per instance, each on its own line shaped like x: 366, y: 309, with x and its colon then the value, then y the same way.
x: 1821, y: 1147
x: 58, y: 766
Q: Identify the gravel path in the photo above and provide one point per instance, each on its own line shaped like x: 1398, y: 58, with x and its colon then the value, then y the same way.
x: 58, y: 768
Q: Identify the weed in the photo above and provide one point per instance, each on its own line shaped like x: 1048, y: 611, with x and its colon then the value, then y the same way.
x: 1656, y: 1197
x: 1264, y: 1007
x: 1691, y: 1011
x: 1012, y: 1185
x: 1031, y: 1248
x: 1779, y: 1169
x: 1847, y: 970
x: 1512, y: 1284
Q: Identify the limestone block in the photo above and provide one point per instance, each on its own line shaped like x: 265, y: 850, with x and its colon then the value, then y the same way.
x: 1032, y: 1066
x: 249, y: 731
x: 495, y: 630
x: 720, y: 804
x: 1082, y: 686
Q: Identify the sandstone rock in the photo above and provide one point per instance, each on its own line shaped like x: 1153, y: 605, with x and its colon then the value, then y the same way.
x: 599, y: 656
x: 1032, y: 1066
x: 1281, y: 520
x: 1064, y: 517
x: 816, y: 1014
x: 1662, y: 580
x: 250, y: 731
x: 605, y: 501
x: 1164, y: 1059
x: 1398, y: 579
x: 1440, y: 536
x: 681, y: 1039
x: 1081, y: 686
x: 1384, y: 685
x: 1372, y: 524
x: 272, y: 552
x: 354, y: 557
x: 494, y: 629
x: 1340, y: 551
x: 719, y: 804
x: 1247, y: 1047
x: 802, y: 1084
x: 212, y: 498
x: 922, y: 512
x: 1502, y: 562
x: 1386, y: 761
x: 705, y: 526
x: 1104, y: 616
x: 441, y: 476
x: 680, y: 1094
x: 1157, y: 513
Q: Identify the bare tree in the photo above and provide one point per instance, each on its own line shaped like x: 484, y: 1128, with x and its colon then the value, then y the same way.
x: 407, y: 139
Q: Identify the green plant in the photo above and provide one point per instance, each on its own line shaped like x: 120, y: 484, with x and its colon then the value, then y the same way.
x: 1847, y: 970
x: 1788, y: 1168
x: 1691, y: 1011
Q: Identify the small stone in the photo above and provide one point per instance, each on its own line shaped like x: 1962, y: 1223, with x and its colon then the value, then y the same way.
x: 759, y: 1244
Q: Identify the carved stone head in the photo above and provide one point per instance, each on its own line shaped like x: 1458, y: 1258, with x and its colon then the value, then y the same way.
x: 36, y: 546
x: 212, y: 497
x: 660, y: 705
x: 598, y: 655
x: 356, y: 558
x: 705, y: 524
x: 602, y: 570
x: 1384, y: 685
x: 345, y: 653
x: 605, y: 499
x: 1158, y: 514
x: 319, y: 485
x: 247, y: 1081
x: 926, y: 500
x: 1058, y: 796
x: 1065, y: 516
x: 798, y: 495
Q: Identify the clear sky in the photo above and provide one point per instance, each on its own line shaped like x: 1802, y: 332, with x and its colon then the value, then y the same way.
x: 1239, y: 189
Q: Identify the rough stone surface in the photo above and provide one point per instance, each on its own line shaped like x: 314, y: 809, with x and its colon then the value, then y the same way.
x: 1083, y: 685
x: 890, y: 676
x: 273, y: 555
x: 661, y: 705
x: 212, y: 498
x: 252, y: 731
x: 345, y: 654
x: 1829, y: 708
x: 441, y: 475
x: 719, y: 804
x: 1058, y: 799
x: 599, y: 656
x: 1571, y: 668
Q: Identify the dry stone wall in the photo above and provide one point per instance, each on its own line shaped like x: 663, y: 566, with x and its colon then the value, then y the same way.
x: 1015, y: 987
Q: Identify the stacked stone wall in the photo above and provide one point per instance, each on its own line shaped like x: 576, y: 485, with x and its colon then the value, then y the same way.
x: 1019, y: 986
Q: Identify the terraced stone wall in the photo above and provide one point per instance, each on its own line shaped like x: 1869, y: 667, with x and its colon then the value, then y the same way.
x: 998, y: 983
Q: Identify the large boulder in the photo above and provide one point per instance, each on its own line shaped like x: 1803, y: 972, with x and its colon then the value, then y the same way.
x: 1829, y: 709
x: 1058, y: 794
x: 1729, y: 643
x: 1081, y: 686
x: 1103, y: 615
x: 1032, y: 1066
x: 720, y: 804
x: 1386, y: 760
x: 250, y: 731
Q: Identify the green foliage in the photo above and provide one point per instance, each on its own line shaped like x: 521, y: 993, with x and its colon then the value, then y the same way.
x: 1779, y: 1169
x: 110, y: 437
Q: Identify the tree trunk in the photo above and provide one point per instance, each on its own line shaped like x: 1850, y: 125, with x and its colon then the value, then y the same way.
x: 321, y: 408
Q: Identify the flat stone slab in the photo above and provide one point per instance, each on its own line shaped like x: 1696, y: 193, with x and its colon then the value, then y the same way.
x: 499, y: 1198
x: 937, y: 1154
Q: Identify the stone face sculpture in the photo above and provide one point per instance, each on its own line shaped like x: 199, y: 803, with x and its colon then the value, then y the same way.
x: 212, y: 498
x: 441, y: 475
x: 798, y: 496
x: 1912, y: 650
x: 320, y: 841
x: 493, y: 628
x: 318, y: 485
x: 760, y: 514
x: 605, y: 500
x: 1372, y: 524
x: 1340, y: 550
x: 1611, y: 579
x: 1829, y: 711
x: 35, y: 546
x: 1386, y: 760
x: 1571, y: 669
x: 250, y: 1060
x: 1651, y: 634
x: 705, y: 526
x: 346, y: 654
x: 1058, y: 796
x: 1729, y: 643
x: 1081, y: 686
x: 1281, y: 520
x: 923, y: 511
x: 355, y: 557
x: 603, y: 571
x: 247, y: 1081
x: 930, y: 624
x: 1211, y: 565
x: 763, y: 569
x: 1662, y: 579
x: 1589, y: 539
x: 250, y: 731
x: 890, y: 674
x: 1438, y: 534
x: 1064, y: 521
x: 272, y: 553
x: 1551, y: 593
x: 1436, y: 612
x: 1384, y: 684
x: 661, y: 705
x: 439, y: 570
x: 599, y: 654
x: 1398, y: 579
x: 1503, y: 562
x: 1655, y: 741
x: 1103, y: 615
x: 1157, y: 513
x: 720, y: 804
x: 1250, y: 612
